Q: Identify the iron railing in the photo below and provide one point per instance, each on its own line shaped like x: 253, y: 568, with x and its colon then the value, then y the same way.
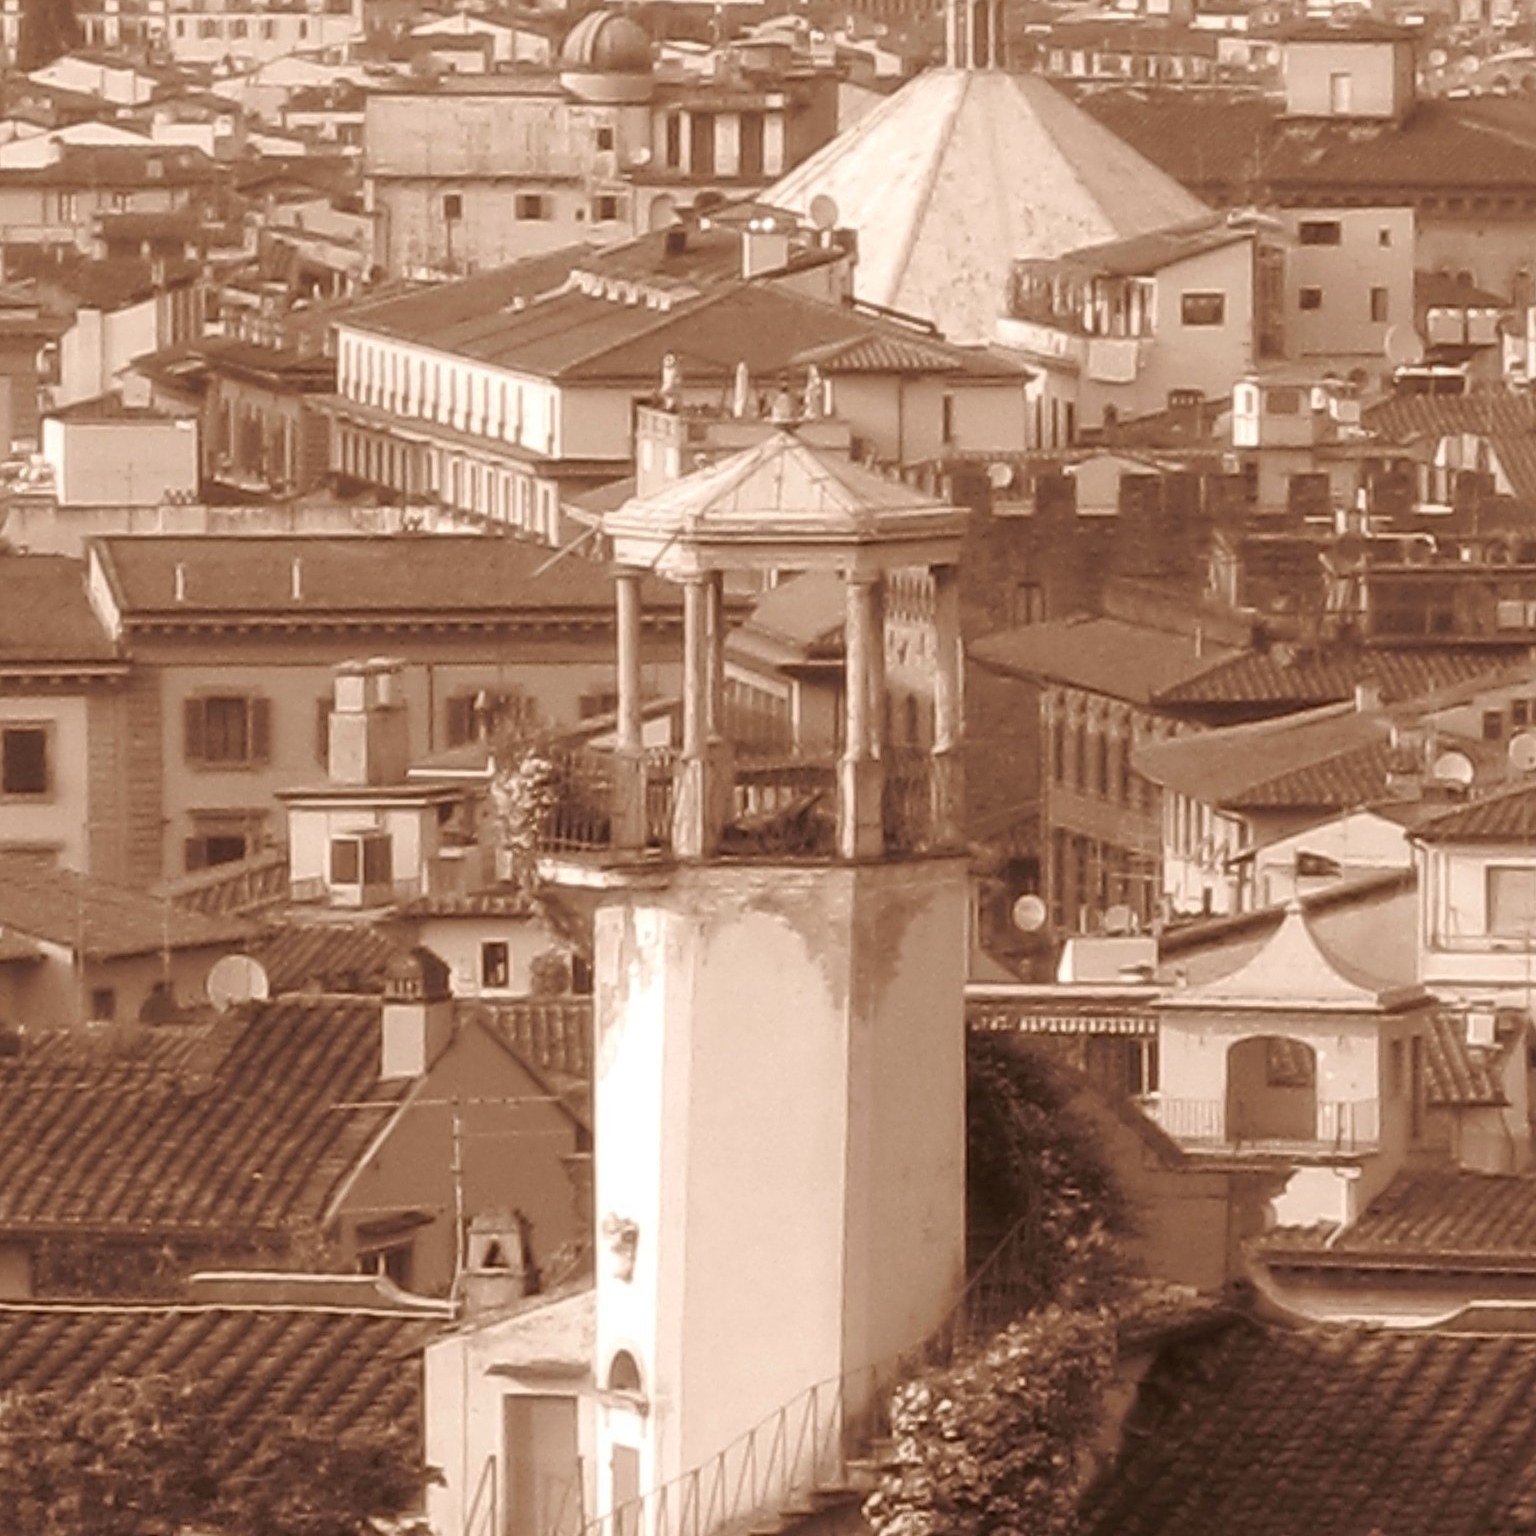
x: 807, y: 1446
x: 1348, y: 1125
x: 779, y: 806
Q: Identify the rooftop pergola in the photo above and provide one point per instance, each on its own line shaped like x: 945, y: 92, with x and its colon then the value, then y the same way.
x: 784, y: 506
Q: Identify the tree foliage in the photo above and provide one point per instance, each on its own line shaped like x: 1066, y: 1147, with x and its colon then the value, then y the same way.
x: 999, y: 1441
x: 1032, y: 1164
x: 153, y: 1456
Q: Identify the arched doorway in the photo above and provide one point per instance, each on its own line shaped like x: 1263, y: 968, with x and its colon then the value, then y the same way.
x: 1271, y: 1090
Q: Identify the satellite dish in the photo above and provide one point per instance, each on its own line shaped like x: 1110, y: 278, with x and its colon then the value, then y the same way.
x: 824, y: 213
x: 1119, y: 919
x: 640, y: 155
x: 1000, y: 475
x: 1403, y: 346
x: 1029, y: 914
x: 237, y: 979
x: 1522, y: 751
x: 1452, y: 768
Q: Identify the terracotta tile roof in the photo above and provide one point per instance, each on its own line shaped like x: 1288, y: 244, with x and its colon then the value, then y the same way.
x: 46, y: 619
x: 1508, y: 422
x: 1110, y: 656
x: 553, y: 1035
x: 1440, y: 1218
x: 1458, y: 1077
x: 1142, y: 255
x: 325, y: 957
x: 1353, y: 777
x: 229, y: 1127
x: 336, y: 1369
x: 103, y: 921
x: 1236, y: 147
x: 1506, y: 817
x: 16, y: 947
x: 1348, y: 1432
x: 1283, y: 677
x: 354, y: 576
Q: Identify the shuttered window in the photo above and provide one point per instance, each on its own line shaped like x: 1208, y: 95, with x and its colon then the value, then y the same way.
x: 228, y: 730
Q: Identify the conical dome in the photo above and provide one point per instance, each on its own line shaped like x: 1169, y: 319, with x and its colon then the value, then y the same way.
x: 963, y: 172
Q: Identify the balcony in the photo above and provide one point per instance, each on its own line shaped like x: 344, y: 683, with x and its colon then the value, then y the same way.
x: 778, y: 807
x: 1341, y: 1127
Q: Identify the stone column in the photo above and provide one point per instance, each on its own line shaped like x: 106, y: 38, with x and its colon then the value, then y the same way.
x: 948, y: 781
x: 721, y: 772
x: 629, y: 747
x: 695, y: 827
x: 861, y: 776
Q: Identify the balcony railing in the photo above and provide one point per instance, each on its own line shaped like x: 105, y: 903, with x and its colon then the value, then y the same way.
x: 1352, y: 1125
x: 779, y: 807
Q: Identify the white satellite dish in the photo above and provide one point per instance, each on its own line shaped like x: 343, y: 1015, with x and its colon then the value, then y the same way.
x: 237, y: 979
x: 1029, y: 914
x: 1522, y: 751
x: 824, y: 214
x: 1452, y: 768
x: 1119, y: 919
x: 1000, y: 475
x: 1402, y: 346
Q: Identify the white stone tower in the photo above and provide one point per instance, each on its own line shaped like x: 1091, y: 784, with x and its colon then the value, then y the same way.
x: 779, y: 1084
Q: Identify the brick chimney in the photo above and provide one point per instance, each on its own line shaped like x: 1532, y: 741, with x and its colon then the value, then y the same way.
x: 369, y: 727
x: 418, y: 1014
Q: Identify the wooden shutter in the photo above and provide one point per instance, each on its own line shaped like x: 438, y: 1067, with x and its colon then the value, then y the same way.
x: 261, y: 729
x: 193, y: 730
x: 323, y: 707
x: 461, y: 719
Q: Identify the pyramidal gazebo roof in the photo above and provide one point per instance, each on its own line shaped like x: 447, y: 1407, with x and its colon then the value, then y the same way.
x: 963, y: 172
x: 779, y: 502
x: 1293, y: 973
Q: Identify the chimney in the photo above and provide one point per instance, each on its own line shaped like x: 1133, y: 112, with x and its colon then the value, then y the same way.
x: 417, y: 1019
x: 499, y: 1268
x: 369, y: 726
x: 764, y: 247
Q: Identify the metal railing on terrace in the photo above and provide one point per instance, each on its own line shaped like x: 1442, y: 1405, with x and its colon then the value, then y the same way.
x: 1350, y: 1125
x: 780, y: 806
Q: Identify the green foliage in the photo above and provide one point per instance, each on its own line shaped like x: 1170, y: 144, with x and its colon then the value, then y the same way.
x: 998, y: 1442
x: 1031, y: 1163
x: 999, y: 1439
x: 152, y: 1456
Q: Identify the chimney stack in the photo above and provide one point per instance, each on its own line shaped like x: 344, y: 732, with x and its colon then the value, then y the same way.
x: 417, y: 1019
x: 369, y: 726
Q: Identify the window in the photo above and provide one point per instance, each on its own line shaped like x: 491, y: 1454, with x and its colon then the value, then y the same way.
x: 605, y: 209
x: 228, y: 730
x: 1203, y: 308
x: 605, y: 138
x: 1310, y: 298
x: 1493, y: 725
x: 216, y: 846
x: 392, y: 1263
x: 1379, y: 305
x: 1319, y: 232
x: 1512, y: 900
x: 1027, y: 604
x: 361, y: 860
x: 1283, y: 402
x: 24, y: 760
x: 674, y: 140
x: 1520, y: 711
x: 238, y: 29
x: 453, y: 206
x: 530, y: 205
x: 268, y: 30
x: 1341, y: 92
x: 947, y: 420
x: 1384, y: 236
x: 495, y: 963
x: 103, y: 1003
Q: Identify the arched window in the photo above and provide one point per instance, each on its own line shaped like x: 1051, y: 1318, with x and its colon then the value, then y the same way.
x: 624, y: 1374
